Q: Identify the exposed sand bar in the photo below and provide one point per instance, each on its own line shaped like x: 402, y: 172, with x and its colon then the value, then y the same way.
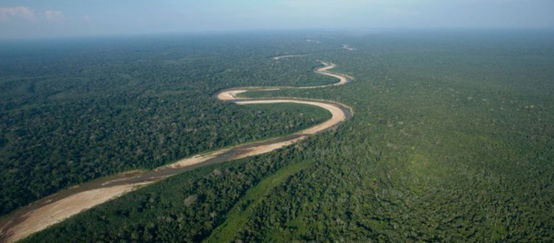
x: 276, y: 58
x: 66, y: 203
x: 347, y: 47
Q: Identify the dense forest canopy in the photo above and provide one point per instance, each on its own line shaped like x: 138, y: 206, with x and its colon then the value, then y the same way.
x: 452, y: 137
x: 76, y: 110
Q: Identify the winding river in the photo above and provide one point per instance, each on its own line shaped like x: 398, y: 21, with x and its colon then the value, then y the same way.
x: 66, y: 203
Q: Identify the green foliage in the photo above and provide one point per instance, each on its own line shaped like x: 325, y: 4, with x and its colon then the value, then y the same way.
x: 452, y: 140
x: 237, y: 217
x: 72, y: 114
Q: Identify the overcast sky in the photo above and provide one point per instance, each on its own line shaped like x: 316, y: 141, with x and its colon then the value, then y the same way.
x: 61, y: 18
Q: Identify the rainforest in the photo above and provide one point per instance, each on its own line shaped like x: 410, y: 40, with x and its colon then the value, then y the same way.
x: 393, y: 136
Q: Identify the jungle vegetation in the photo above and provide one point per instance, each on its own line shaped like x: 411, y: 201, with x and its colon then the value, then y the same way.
x: 452, y: 140
x: 78, y: 110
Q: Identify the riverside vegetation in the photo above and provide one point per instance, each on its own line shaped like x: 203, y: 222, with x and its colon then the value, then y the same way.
x: 453, y: 140
x: 74, y: 113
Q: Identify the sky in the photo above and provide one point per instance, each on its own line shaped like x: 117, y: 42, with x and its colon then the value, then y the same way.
x: 71, y: 18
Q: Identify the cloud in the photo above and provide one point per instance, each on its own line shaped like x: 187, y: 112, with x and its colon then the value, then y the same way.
x: 53, y: 14
x: 28, y: 14
x: 19, y: 12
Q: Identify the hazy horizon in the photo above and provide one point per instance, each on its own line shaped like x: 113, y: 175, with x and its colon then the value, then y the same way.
x: 61, y: 18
